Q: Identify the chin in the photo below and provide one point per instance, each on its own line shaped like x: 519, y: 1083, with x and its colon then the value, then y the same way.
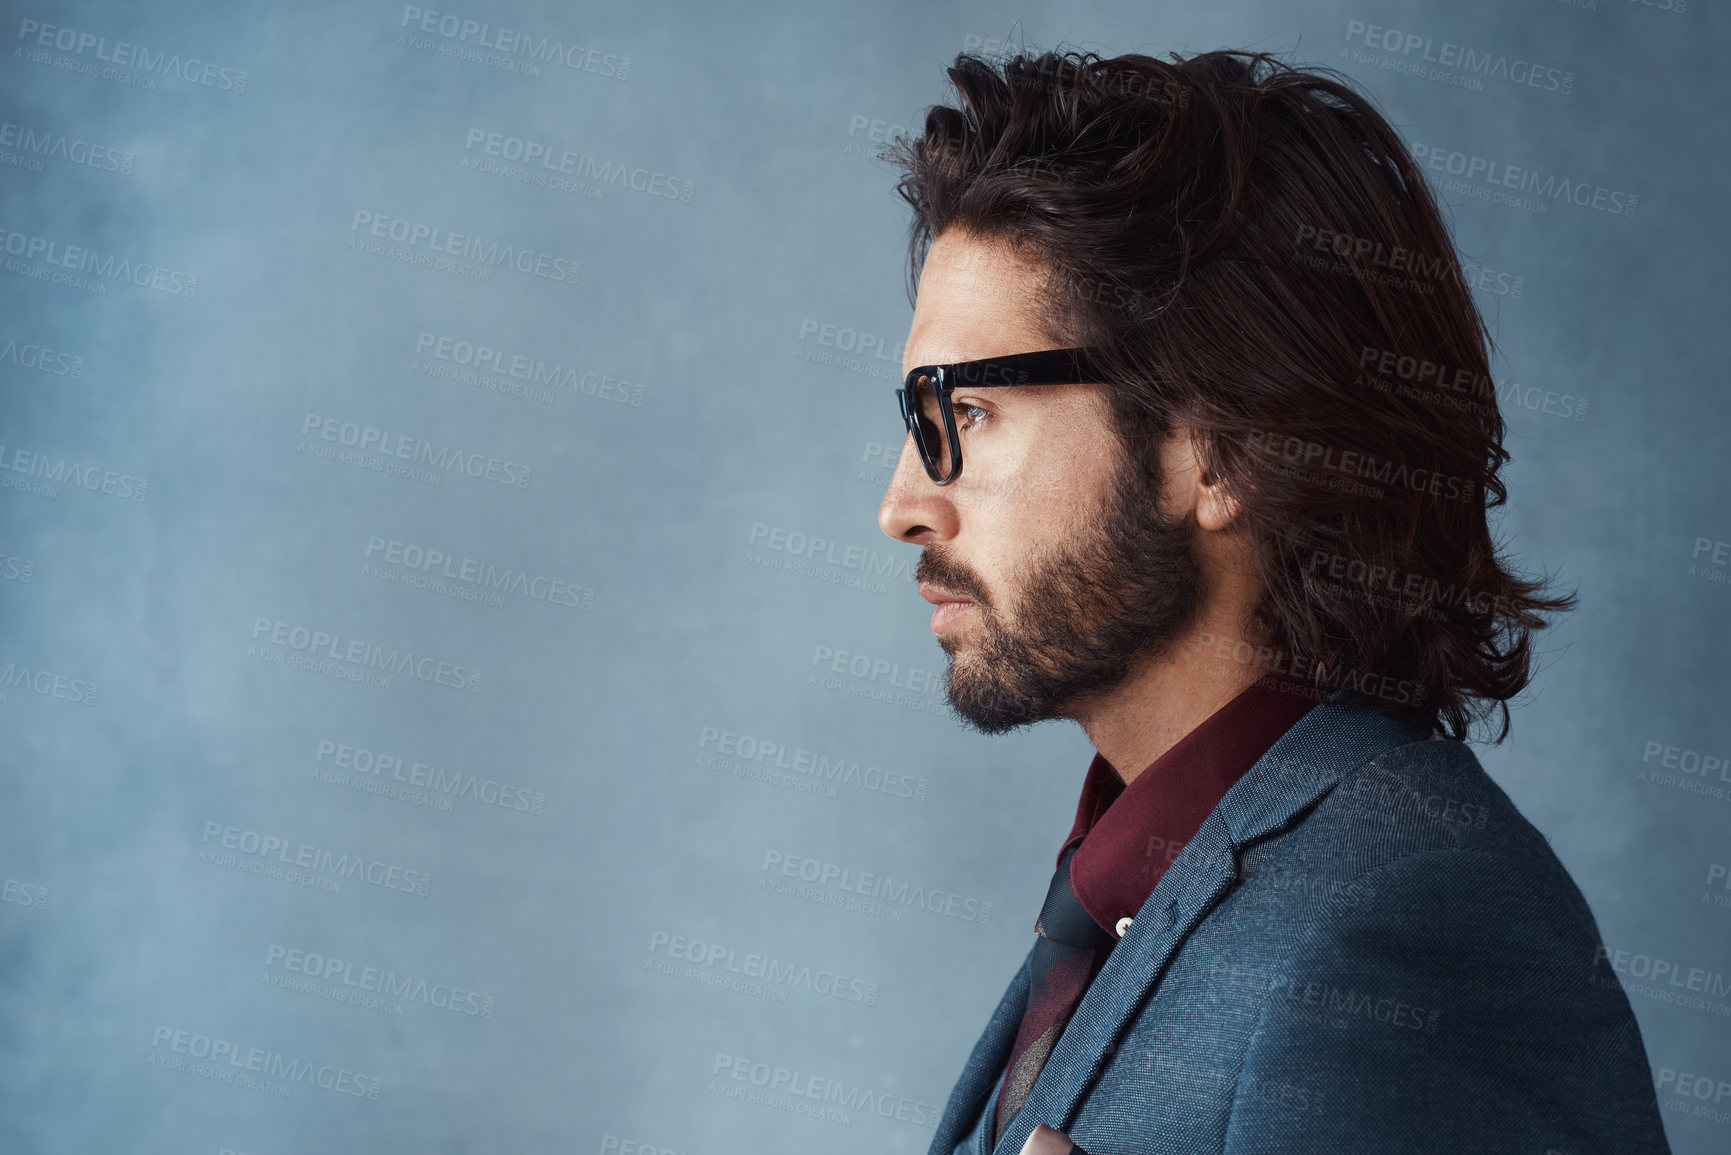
x: 992, y: 708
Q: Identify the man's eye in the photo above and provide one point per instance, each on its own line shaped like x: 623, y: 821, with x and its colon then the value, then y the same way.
x: 968, y: 416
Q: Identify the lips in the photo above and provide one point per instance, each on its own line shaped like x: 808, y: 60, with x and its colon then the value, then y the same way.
x: 949, y: 607
x: 940, y: 597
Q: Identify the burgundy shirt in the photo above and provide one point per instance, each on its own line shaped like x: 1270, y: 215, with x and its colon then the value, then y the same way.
x: 1130, y: 834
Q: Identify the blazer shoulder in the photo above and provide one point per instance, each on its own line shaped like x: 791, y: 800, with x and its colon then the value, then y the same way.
x: 1426, y: 946
x: 1423, y: 799
x: 1452, y: 982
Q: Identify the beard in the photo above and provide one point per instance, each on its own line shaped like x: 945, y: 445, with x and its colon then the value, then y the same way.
x: 1084, y: 614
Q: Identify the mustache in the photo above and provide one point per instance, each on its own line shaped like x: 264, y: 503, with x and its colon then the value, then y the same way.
x: 936, y: 567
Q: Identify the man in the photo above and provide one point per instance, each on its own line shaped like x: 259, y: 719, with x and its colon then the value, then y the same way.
x: 1201, y: 445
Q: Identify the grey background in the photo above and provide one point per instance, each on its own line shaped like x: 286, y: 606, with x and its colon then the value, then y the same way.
x: 122, y: 919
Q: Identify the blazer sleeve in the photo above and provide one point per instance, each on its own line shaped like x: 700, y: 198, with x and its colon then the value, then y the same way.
x: 1459, y: 1011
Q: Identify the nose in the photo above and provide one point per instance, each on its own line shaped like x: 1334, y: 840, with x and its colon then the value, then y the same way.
x: 915, y: 509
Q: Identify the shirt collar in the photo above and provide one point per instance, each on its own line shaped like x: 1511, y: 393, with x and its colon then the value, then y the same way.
x: 1130, y: 834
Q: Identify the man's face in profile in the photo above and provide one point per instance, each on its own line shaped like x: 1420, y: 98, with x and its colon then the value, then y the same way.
x: 1053, y: 562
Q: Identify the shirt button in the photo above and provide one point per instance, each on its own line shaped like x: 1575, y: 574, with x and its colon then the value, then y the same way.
x: 1123, y: 925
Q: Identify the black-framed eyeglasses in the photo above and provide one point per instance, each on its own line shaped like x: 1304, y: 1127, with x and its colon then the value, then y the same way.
x: 925, y: 396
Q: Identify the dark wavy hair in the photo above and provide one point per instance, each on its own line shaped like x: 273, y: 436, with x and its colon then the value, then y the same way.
x: 1254, y: 253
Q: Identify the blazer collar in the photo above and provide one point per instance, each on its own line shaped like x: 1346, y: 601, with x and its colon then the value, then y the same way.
x: 1333, y: 738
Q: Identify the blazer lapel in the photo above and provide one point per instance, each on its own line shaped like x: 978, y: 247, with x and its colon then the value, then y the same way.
x: 1300, y: 768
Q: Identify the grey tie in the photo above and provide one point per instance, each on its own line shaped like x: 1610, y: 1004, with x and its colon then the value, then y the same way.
x: 1068, y: 952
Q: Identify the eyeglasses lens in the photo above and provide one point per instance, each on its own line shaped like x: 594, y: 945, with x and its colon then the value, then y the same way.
x: 929, y: 425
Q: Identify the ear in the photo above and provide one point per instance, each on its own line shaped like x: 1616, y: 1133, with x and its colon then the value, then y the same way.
x: 1214, y: 505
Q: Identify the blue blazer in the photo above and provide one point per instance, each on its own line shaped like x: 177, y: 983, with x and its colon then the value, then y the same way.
x: 1365, y: 948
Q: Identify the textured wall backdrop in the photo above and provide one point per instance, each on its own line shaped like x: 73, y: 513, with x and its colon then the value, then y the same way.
x: 445, y: 617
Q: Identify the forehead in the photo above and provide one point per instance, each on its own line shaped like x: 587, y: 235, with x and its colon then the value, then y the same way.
x: 977, y: 298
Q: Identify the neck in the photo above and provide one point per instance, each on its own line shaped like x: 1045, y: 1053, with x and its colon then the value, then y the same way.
x: 1170, y: 695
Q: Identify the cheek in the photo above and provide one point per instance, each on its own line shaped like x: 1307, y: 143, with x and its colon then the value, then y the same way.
x: 994, y: 549
x: 1063, y: 486
x: 1008, y: 538
x: 1042, y: 482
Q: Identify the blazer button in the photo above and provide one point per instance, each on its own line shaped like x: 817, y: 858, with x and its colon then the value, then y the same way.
x: 1123, y: 925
